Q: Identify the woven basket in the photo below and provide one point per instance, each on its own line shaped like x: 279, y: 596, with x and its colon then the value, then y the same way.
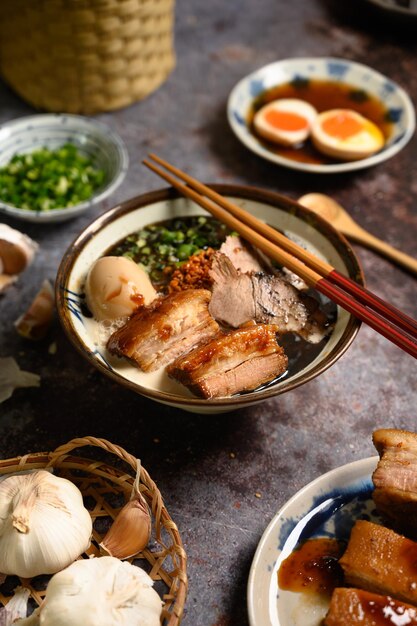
x: 85, y: 56
x: 105, y: 490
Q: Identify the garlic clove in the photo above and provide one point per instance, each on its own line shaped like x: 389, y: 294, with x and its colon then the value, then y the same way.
x: 130, y: 531
x: 35, y: 322
x: 16, y: 250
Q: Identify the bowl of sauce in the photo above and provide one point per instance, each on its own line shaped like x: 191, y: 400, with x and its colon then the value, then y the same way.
x: 326, y: 84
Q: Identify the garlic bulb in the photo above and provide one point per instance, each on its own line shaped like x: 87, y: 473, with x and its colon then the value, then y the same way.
x: 44, y: 525
x: 131, y: 530
x: 99, y: 592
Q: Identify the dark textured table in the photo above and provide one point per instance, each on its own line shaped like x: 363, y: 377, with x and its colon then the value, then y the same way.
x: 224, y: 477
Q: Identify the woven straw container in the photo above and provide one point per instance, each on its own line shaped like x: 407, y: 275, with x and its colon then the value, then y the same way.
x: 85, y: 56
x: 106, y: 488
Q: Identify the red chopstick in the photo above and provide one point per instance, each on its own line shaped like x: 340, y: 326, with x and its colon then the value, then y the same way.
x: 378, y: 314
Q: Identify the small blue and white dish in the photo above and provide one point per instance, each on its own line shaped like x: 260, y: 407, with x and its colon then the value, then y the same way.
x: 327, y: 507
x: 362, y: 78
x: 91, y: 138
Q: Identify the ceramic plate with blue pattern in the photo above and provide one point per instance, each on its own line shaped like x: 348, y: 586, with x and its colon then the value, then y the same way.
x: 327, y: 507
x: 361, y: 78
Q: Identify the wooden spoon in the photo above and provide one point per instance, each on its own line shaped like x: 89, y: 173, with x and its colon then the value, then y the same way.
x: 340, y: 219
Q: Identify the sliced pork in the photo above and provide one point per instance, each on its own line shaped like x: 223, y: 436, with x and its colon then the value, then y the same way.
x: 266, y: 298
x: 245, y: 258
x: 170, y: 326
x: 395, y: 478
x: 238, y: 361
x: 379, y: 560
x: 350, y: 607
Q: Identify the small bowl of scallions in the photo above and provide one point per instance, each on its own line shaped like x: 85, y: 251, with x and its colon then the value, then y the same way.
x: 54, y: 167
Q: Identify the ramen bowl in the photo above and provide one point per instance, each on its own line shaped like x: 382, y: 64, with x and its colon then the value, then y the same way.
x: 295, y: 221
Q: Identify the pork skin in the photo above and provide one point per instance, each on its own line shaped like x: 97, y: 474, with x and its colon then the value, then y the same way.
x: 170, y: 326
x: 379, y: 560
x: 238, y: 361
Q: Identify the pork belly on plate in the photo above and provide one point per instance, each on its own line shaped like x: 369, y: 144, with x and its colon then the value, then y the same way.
x: 395, y: 478
x: 170, y: 326
x: 378, y: 559
x: 238, y: 361
x: 350, y: 607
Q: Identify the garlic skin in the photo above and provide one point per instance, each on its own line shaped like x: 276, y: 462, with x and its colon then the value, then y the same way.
x: 99, y: 592
x: 16, y: 250
x: 44, y: 525
x: 36, y: 320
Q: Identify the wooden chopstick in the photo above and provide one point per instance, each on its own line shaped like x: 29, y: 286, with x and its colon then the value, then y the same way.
x: 362, y: 294
x: 312, y: 275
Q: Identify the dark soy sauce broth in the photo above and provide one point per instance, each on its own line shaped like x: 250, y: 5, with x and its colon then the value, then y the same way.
x: 323, y: 95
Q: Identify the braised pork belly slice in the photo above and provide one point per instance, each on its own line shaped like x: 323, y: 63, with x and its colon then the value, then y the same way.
x: 350, y: 607
x: 265, y: 298
x: 238, y: 361
x: 395, y: 478
x: 379, y: 560
x: 170, y: 326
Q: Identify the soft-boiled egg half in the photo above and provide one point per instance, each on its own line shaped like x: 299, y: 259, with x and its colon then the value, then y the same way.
x: 286, y: 121
x: 115, y: 287
x: 345, y: 134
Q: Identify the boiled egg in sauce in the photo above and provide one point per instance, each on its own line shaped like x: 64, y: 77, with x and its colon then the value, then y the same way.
x: 286, y: 121
x: 115, y: 287
x: 346, y: 134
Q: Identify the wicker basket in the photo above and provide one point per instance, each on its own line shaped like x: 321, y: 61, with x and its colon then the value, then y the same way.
x: 105, y: 489
x: 85, y: 56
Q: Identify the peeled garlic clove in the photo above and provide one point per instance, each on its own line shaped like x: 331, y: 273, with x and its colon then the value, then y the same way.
x: 16, y: 250
x: 130, y: 531
x: 34, y: 324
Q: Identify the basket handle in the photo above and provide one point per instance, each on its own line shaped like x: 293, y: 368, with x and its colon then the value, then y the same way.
x: 79, y: 442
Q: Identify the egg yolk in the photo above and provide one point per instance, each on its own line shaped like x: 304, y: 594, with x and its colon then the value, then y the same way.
x: 285, y: 120
x: 342, y: 126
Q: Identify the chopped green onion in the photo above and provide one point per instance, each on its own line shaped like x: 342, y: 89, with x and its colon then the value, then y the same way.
x: 49, y: 179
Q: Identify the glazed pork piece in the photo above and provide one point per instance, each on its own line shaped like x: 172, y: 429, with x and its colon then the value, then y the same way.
x: 350, y: 607
x: 170, y: 326
x: 379, y: 560
x: 265, y: 298
x: 395, y: 478
x: 238, y: 361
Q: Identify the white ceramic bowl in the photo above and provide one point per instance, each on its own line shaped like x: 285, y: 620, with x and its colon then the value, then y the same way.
x: 395, y: 99
x: 291, y: 218
x: 92, y: 139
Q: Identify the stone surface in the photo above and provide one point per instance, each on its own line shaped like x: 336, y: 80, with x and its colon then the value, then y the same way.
x: 209, y: 468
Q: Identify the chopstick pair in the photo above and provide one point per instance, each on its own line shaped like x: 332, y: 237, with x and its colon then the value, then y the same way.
x: 389, y: 321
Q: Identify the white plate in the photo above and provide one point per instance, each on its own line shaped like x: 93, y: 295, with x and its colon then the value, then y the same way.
x: 360, y: 76
x: 328, y: 506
